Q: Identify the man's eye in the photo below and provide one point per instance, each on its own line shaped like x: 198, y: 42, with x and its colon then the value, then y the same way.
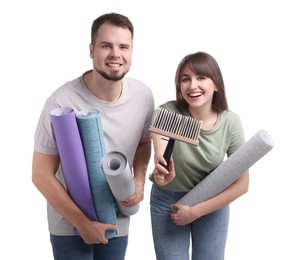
x: 124, y: 47
x: 105, y: 46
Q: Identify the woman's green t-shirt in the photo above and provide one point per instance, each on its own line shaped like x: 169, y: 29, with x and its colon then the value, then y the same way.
x: 193, y: 163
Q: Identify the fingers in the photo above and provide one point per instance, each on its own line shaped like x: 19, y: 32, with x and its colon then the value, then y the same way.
x: 96, y: 233
x: 161, y: 178
x: 160, y: 159
x: 137, y: 197
x: 129, y: 202
x: 160, y: 170
x: 111, y: 227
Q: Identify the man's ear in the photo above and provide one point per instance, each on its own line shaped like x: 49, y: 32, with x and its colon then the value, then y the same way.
x: 91, y: 48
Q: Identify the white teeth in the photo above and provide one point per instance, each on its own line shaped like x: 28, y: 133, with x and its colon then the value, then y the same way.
x: 194, y: 94
x: 113, y: 65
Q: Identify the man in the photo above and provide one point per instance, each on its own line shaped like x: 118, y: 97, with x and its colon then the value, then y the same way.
x: 126, y: 106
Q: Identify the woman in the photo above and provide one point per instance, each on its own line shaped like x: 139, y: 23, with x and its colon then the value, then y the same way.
x: 200, y: 94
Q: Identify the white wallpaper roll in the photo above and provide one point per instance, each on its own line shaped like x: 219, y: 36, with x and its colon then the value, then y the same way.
x: 230, y: 170
x: 120, y: 180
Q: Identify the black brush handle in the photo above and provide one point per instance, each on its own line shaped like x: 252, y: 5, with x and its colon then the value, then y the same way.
x: 169, y: 150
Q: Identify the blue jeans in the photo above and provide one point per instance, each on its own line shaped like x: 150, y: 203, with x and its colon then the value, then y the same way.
x: 74, y: 248
x: 171, y: 242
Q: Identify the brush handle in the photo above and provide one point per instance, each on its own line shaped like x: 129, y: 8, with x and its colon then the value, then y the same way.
x: 169, y: 150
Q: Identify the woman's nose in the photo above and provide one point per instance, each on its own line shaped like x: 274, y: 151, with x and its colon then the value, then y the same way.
x: 194, y: 83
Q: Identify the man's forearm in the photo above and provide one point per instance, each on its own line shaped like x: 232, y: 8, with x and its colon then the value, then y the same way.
x: 141, y: 160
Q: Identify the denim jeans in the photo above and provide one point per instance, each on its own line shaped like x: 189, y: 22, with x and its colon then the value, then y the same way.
x: 171, y: 242
x: 74, y: 248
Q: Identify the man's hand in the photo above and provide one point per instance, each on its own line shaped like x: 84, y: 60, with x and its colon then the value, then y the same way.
x: 93, y: 232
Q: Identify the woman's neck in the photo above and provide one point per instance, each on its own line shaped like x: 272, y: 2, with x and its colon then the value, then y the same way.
x: 208, y: 118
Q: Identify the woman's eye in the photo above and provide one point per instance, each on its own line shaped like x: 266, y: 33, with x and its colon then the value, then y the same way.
x: 201, y: 77
x: 185, y: 79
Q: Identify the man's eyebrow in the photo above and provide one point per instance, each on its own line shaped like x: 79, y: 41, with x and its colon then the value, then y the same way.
x: 125, y: 44
x: 105, y: 42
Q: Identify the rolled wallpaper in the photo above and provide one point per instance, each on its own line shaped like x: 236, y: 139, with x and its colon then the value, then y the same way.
x: 118, y: 174
x: 73, y: 163
x: 231, y: 169
x: 91, y: 132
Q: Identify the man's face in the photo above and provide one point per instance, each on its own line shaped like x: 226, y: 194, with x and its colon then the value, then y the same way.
x: 112, y: 52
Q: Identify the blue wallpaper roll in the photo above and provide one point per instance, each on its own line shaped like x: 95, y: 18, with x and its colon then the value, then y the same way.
x: 91, y: 132
x: 73, y: 163
x: 231, y: 169
x: 119, y: 176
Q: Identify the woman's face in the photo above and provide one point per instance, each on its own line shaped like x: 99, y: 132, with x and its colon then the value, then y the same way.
x: 197, y: 90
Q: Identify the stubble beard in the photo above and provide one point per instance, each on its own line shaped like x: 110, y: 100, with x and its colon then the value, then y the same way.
x: 109, y: 77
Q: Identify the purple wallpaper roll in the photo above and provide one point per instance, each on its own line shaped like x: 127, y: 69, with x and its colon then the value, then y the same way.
x: 72, y: 158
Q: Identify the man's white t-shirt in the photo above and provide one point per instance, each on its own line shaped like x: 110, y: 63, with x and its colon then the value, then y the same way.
x: 124, y: 123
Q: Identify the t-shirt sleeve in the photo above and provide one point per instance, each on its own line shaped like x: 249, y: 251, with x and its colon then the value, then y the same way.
x: 150, y: 111
x: 237, y: 134
x: 44, y: 141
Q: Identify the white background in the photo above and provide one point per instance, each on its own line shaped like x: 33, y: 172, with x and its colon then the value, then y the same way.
x: 45, y: 43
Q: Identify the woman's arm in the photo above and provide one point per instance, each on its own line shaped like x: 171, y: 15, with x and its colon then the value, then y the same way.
x: 184, y: 214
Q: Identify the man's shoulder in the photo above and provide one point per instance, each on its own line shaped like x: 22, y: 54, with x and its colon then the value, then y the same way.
x: 136, y: 83
x: 137, y: 88
x: 67, y: 87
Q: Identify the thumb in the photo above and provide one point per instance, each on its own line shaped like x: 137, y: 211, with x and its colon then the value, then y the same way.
x: 171, y: 165
x: 175, y: 208
x: 109, y: 227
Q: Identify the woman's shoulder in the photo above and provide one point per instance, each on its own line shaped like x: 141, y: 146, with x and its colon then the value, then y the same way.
x: 170, y: 105
x: 230, y: 115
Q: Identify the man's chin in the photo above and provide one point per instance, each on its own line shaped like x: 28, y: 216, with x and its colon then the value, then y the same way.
x: 115, y: 78
x: 111, y: 77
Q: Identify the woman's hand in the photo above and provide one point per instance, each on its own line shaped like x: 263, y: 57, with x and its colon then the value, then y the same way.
x: 162, y: 175
x: 183, y: 215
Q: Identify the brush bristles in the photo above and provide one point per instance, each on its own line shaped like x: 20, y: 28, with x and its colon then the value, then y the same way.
x: 176, y: 126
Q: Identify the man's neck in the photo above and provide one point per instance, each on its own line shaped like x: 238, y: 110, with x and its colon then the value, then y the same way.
x: 106, y: 90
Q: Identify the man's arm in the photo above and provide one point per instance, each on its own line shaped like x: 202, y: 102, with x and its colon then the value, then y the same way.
x: 44, y: 167
x: 140, y: 165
